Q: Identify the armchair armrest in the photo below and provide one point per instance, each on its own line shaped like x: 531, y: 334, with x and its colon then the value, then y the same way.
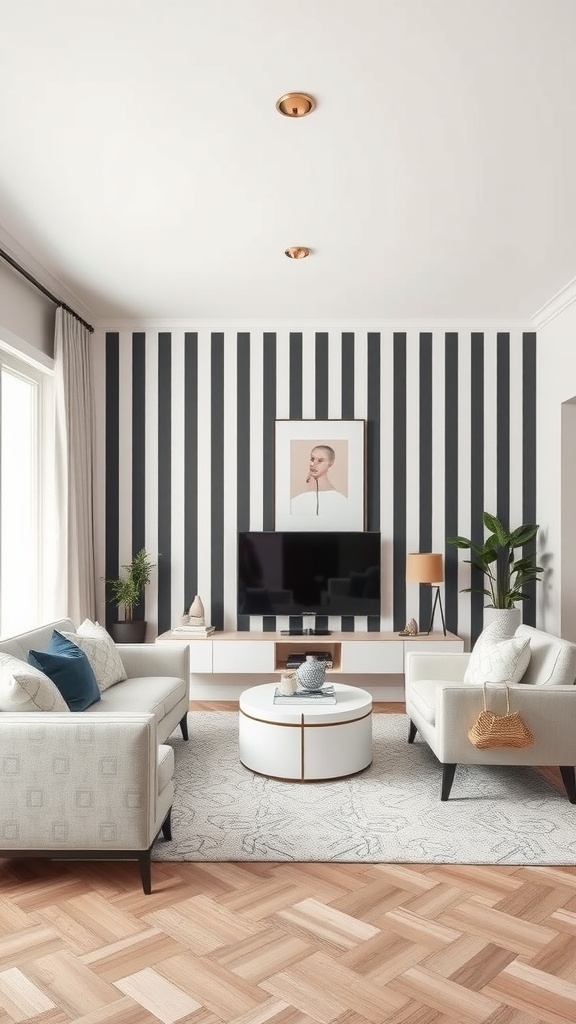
x: 449, y: 666
x: 156, y: 660
x: 548, y: 711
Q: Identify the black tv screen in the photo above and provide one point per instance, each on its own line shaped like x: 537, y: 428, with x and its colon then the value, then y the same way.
x: 291, y: 573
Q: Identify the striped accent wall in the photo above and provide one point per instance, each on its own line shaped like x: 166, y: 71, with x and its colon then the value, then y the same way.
x: 187, y: 431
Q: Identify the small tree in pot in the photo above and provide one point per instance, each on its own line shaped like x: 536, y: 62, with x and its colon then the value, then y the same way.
x: 506, y: 576
x: 128, y: 590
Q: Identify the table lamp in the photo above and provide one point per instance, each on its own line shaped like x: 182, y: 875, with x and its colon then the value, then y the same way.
x: 426, y: 567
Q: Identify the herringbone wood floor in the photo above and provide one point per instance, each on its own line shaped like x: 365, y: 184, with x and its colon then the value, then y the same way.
x: 287, y: 943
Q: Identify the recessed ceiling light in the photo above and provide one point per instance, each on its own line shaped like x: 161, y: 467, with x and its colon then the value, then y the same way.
x: 297, y: 252
x: 295, y: 104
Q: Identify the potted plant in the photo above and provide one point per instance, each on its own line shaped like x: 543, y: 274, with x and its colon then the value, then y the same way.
x: 128, y: 590
x: 505, y: 575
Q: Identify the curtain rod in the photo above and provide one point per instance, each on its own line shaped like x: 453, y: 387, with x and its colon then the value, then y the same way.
x: 44, y: 290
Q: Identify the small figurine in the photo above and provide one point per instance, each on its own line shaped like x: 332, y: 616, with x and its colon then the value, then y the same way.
x: 410, y: 629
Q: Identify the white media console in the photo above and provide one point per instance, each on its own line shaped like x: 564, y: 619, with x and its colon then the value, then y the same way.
x: 226, y: 663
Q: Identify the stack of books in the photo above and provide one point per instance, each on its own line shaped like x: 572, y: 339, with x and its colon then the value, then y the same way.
x: 192, y: 631
x: 295, y: 660
x: 324, y: 696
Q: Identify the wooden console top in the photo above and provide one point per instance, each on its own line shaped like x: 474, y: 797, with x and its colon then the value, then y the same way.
x: 316, y: 641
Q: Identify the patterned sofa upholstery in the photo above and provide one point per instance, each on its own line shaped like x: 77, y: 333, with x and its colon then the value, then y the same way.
x: 96, y: 784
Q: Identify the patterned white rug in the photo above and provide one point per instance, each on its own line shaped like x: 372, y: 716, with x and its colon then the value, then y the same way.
x: 389, y: 813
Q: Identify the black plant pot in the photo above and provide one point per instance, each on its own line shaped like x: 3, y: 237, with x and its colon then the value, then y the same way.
x: 128, y: 632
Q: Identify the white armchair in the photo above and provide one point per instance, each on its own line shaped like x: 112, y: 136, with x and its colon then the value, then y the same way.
x: 442, y: 708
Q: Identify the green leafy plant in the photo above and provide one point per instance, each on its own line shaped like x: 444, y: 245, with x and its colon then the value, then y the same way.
x: 129, y: 588
x: 506, y: 576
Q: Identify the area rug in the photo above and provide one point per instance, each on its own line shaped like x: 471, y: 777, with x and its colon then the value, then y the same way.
x: 389, y: 813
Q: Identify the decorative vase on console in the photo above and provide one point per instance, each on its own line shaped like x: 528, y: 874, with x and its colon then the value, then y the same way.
x: 196, y: 612
x: 311, y: 673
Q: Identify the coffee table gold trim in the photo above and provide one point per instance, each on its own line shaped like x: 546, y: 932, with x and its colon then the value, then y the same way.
x: 307, y: 725
x: 290, y: 778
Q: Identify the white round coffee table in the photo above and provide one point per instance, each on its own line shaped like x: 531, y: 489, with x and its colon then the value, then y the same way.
x: 306, y: 741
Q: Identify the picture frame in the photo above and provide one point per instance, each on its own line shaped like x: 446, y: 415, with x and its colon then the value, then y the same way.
x: 319, y: 475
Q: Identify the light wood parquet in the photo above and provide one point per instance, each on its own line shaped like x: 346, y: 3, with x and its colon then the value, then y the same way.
x: 280, y: 943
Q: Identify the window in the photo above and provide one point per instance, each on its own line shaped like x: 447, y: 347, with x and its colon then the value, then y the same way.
x: 26, y: 444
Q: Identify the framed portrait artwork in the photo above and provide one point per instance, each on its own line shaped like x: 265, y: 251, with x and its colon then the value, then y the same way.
x: 319, y: 475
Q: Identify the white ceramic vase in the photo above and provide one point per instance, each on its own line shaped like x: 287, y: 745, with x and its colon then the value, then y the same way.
x: 196, y: 612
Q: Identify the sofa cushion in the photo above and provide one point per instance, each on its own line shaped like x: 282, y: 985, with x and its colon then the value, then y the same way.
x: 70, y: 670
x: 154, y: 694
x: 497, y: 660
x: 25, y: 688
x: 423, y: 697
x: 35, y: 639
x: 101, y: 651
x: 553, y: 660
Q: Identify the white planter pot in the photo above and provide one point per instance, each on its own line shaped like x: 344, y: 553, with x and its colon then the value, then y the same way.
x: 508, y: 619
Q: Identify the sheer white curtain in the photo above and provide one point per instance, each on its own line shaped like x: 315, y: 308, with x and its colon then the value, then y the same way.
x: 74, y: 468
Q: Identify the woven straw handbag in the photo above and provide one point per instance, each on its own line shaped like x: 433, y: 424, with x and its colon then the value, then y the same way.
x: 492, y: 730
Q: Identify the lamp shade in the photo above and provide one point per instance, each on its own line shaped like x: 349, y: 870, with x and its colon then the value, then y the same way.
x: 424, y: 567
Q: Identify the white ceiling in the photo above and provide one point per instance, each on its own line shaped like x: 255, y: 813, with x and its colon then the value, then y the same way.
x: 143, y: 163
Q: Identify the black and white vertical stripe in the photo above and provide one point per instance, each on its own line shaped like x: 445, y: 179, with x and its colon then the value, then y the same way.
x: 189, y: 452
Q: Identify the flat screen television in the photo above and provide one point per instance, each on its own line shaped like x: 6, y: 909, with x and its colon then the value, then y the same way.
x: 295, y: 573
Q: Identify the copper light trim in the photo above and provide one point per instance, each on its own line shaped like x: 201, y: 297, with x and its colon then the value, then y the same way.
x: 297, y: 252
x: 295, y: 104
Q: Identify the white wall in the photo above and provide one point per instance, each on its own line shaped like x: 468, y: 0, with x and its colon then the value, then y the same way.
x: 556, y: 362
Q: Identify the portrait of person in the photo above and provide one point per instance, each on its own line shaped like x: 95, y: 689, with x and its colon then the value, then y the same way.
x: 319, y: 474
x: 320, y: 485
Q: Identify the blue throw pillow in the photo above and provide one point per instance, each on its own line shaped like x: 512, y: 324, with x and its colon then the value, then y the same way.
x: 69, y: 669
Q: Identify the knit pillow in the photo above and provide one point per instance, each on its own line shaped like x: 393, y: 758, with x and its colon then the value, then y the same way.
x: 497, y: 660
x: 24, y: 688
x: 101, y: 651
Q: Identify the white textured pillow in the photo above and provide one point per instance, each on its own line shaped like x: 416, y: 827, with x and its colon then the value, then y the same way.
x: 100, y: 649
x: 25, y: 688
x: 497, y: 660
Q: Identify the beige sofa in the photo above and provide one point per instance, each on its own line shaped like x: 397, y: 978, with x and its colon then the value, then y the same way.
x: 442, y: 708
x: 96, y: 784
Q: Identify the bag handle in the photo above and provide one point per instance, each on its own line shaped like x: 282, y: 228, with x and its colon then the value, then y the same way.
x: 493, y: 683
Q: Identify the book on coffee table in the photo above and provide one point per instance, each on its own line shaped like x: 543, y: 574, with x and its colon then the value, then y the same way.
x: 193, y: 631
x: 324, y: 696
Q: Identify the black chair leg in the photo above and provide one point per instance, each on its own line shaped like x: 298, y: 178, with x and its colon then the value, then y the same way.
x: 448, y: 772
x: 144, y: 862
x: 184, y: 727
x: 412, y: 732
x: 167, y: 826
x: 567, y: 773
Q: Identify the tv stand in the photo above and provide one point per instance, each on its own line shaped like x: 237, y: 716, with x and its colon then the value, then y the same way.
x: 305, y: 632
x: 225, y: 663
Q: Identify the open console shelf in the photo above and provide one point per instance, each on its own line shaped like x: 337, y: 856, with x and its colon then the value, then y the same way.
x: 227, y: 662
x: 284, y: 648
